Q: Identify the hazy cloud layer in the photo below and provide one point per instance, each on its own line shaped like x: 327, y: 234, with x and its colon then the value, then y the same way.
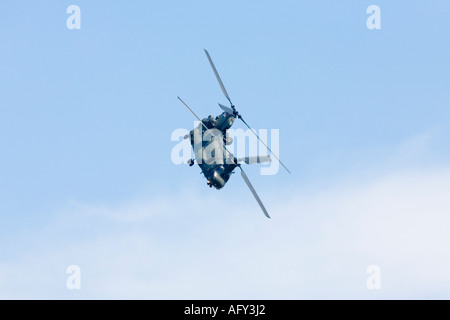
x: 316, y: 246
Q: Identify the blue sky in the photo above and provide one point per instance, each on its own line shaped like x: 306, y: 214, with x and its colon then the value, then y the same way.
x: 86, y: 118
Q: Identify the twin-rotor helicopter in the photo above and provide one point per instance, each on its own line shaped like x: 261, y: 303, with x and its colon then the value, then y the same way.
x: 208, y: 141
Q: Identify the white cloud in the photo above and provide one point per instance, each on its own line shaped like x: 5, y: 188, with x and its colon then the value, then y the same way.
x: 315, y: 246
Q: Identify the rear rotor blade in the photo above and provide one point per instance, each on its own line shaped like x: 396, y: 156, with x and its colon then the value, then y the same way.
x: 244, y: 176
x: 218, y: 77
x: 226, y: 109
x: 253, y: 160
x: 240, y: 117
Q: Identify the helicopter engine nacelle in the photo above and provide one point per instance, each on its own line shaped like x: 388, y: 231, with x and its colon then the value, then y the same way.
x: 210, y: 122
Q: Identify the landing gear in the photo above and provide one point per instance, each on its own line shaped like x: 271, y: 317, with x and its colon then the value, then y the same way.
x: 190, y: 162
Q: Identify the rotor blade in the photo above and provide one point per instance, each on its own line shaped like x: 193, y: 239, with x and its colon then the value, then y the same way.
x: 206, y: 129
x: 264, y: 144
x: 253, y: 160
x: 244, y: 176
x: 191, y: 112
x: 218, y: 77
x: 226, y: 109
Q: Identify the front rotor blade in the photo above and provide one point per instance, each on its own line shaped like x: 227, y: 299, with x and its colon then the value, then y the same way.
x: 218, y: 77
x: 191, y: 111
x: 244, y: 176
x: 264, y: 144
x: 226, y: 109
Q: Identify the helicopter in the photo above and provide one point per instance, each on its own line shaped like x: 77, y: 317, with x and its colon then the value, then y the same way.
x: 209, y: 139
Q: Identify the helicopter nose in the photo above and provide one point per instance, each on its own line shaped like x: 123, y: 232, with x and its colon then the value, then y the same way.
x: 217, y: 180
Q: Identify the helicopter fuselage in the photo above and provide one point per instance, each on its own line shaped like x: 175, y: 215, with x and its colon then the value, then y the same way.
x: 207, y: 143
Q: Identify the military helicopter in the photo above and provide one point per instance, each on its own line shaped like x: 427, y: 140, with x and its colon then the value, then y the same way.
x: 208, y: 141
